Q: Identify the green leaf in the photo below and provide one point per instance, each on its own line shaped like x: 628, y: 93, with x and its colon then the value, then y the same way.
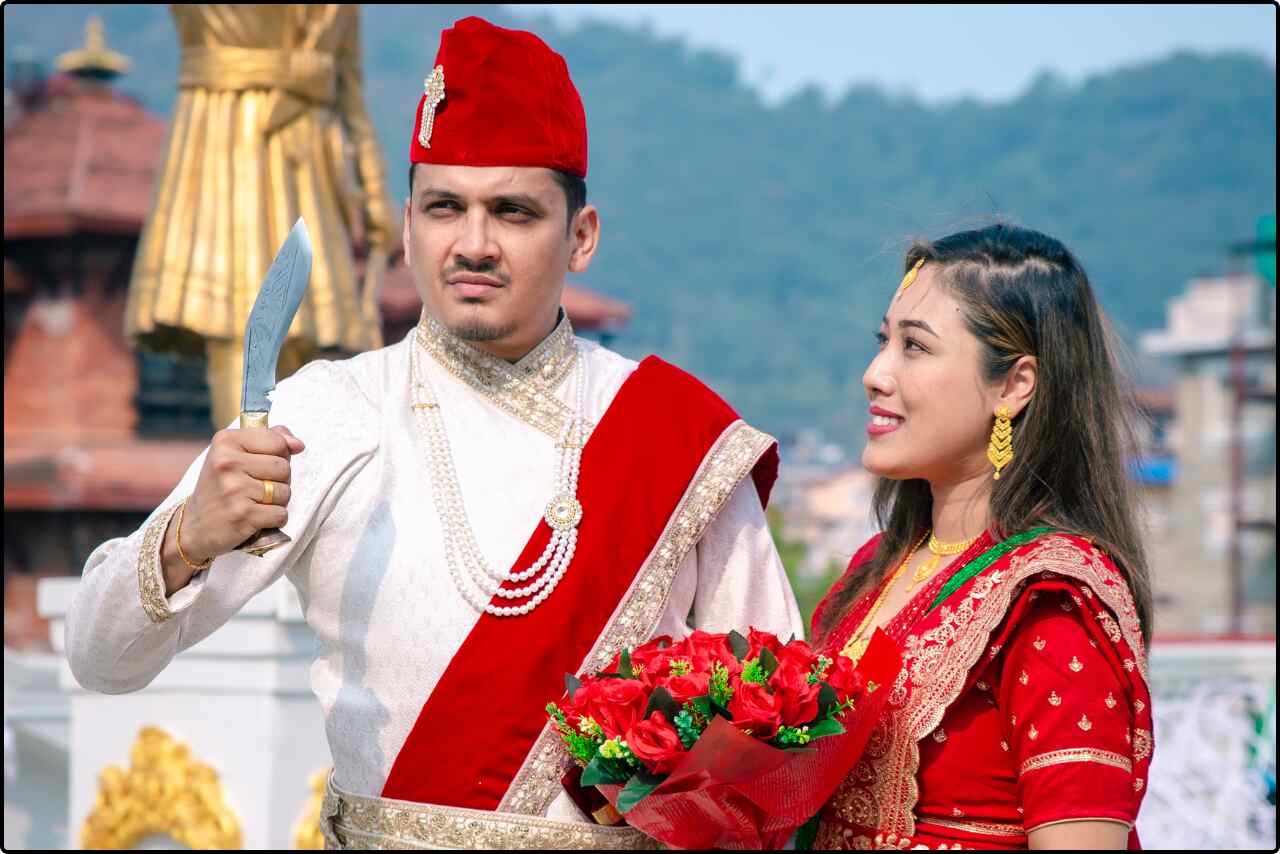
x: 637, y: 789
x: 827, y: 699
x: 571, y: 684
x: 768, y: 662
x: 703, y: 706
x: 662, y: 701
x: 602, y: 772
x: 624, y: 665
x: 738, y: 645
x: 827, y: 727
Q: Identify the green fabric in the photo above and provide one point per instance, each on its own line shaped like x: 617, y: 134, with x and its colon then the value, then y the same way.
x: 982, y: 561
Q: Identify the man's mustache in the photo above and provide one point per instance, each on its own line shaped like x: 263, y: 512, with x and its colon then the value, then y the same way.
x: 485, y: 269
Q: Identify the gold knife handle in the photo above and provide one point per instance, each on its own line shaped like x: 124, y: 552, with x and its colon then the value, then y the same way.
x: 269, y: 538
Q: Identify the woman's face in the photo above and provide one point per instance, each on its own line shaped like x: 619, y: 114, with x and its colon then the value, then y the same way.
x: 931, y: 409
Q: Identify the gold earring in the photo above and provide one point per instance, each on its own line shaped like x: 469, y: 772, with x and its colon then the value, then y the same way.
x: 1000, y: 451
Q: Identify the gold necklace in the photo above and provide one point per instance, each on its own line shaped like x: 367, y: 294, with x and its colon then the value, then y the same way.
x: 857, y: 644
x: 939, y: 550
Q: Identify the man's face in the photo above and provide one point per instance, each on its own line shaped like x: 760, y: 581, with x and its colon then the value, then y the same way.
x: 489, y: 250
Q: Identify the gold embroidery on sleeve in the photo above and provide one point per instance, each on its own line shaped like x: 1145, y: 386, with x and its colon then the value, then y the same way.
x: 1110, y: 701
x: 1084, y: 723
x: 1054, y: 699
x: 1023, y: 678
x: 150, y: 574
x: 1075, y: 754
x: 1033, y: 733
x: 1075, y: 665
x: 982, y: 828
x: 1040, y: 644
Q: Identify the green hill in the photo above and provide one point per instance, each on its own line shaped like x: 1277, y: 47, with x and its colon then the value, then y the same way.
x: 759, y: 244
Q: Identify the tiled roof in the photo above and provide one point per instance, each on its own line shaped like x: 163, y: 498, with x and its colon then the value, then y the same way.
x: 85, y: 161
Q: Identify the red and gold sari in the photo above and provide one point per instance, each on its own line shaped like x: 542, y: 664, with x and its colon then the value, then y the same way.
x: 1022, y: 702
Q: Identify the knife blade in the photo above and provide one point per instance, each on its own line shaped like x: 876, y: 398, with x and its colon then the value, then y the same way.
x: 264, y: 335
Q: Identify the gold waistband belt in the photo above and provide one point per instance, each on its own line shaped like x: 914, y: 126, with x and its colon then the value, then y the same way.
x: 360, y: 821
x: 308, y: 74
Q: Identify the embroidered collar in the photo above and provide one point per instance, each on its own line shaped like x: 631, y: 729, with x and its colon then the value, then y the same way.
x: 526, y: 389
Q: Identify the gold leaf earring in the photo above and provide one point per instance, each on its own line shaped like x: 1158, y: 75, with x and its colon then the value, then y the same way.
x: 1000, y: 451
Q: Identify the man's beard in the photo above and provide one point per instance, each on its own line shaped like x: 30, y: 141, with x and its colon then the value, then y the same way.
x: 473, y: 329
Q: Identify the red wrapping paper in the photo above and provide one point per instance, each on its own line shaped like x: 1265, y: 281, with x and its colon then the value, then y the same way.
x: 736, y: 792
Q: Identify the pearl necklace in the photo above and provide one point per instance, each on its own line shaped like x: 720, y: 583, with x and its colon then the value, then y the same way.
x: 475, y: 579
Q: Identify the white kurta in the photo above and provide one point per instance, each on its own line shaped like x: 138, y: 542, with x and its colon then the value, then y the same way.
x: 367, y: 555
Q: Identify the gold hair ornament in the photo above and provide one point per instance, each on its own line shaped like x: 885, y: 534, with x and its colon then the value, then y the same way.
x: 910, y: 277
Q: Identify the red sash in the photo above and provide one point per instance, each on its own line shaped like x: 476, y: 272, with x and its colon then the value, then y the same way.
x: 484, y: 715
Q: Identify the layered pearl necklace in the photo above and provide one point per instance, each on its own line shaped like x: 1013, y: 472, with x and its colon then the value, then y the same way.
x: 475, y: 579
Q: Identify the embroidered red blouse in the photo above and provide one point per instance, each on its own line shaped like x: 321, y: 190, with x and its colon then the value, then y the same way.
x: 1051, y: 722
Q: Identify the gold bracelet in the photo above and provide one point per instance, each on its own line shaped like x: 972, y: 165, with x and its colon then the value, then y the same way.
x: 195, y: 567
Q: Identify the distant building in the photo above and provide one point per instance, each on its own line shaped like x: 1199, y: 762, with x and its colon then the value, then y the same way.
x: 1214, y: 567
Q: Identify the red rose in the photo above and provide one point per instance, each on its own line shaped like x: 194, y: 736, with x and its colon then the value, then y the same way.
x: 656, y: 744
x: 844, y: 676
x: 643, y: 654
x: 757, y: 641
x: 755, y: 709
x: 799, y: 699
x: 615, y: 704
x: 659, y: 667
x: 799, y: 654
x: 685, y: 688
x: 587, y: 691
x: 706, y: 648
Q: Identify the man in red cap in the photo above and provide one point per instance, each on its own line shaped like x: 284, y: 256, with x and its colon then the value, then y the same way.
x: 481, y: 508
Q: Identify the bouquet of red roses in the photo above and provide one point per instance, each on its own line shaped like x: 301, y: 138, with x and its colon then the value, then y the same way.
x: 720, y: 740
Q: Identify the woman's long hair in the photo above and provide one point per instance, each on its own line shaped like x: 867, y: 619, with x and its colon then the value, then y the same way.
x: 1023, y: 293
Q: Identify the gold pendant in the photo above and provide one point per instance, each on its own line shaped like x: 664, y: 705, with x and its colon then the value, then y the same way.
x: 924, y: 571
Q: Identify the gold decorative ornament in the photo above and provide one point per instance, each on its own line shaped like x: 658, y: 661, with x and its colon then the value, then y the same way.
x: 164, y: 792
x: 95, y: 56
x: 910, y: 277
x: 938, y: 550
x: 1000, y: 451
x: 268, y: 492
x: 434, y: 86
x: 307, y: 835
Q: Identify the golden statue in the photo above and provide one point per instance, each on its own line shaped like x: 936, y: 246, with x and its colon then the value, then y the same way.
x: 270, y: 125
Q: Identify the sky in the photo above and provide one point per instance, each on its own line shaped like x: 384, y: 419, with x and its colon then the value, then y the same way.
x: 916, y: 49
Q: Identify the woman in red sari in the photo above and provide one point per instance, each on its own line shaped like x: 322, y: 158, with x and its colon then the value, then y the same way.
x: 1010, y: 569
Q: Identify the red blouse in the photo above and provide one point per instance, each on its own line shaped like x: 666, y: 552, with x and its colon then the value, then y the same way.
x: 1052, y: 724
